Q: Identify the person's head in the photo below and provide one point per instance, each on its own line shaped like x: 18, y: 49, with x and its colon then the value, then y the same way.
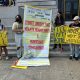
x: 76, y: 19
x: 18, y: 19
x: 58, y: 14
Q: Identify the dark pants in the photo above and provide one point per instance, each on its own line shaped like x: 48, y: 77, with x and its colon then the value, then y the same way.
x: 5, y: 50
x: 14, y: 2
x: 55, y: 46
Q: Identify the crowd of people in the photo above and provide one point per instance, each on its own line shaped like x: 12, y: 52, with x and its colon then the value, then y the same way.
x: 17, y: 28
x: 8, y: 2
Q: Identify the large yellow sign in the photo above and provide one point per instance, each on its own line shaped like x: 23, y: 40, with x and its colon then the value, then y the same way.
x: 59, y: 34
x: 73, y: 36
x: 3, y: 38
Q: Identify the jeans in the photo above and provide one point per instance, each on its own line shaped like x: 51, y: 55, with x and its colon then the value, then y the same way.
x: 18, y: 40
x: 74, y: 50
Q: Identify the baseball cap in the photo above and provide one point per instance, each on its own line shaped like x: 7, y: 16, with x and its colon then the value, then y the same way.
x: 76, y: 18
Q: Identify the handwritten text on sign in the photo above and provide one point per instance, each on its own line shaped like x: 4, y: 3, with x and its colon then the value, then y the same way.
x: 59, y: 34
x: 73, y: 36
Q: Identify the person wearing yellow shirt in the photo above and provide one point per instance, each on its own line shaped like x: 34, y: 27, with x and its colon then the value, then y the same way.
x: 3, y: 41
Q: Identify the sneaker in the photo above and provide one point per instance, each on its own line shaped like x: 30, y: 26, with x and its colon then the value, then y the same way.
x: 76, y: 58
x: 7, y: 58
x: 71, y: 57
x: 18, y: 58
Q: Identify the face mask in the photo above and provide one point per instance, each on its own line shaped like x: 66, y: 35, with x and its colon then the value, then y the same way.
x: 17, y: 19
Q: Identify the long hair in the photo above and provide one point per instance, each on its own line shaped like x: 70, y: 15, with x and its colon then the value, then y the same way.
x: 19, y: 20
x: 61, y: 15
x: 61, y: 19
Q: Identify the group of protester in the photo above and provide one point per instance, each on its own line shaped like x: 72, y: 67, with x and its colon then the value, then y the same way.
x: 74, y: 48
x: 17, y: 28
x: 8, y: 2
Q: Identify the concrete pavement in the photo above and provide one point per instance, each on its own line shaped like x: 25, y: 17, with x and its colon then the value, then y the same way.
x: 61, y: 68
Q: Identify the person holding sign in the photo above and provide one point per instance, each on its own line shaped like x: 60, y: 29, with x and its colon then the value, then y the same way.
x: 18, y: 30
x: 59, y: 20
x: 3, y: 41
x: 75, y: 47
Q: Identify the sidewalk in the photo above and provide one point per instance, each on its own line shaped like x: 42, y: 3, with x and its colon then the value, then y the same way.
x: 61, y: 68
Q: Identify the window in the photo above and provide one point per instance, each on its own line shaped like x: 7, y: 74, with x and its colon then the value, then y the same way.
x: 69, y: 8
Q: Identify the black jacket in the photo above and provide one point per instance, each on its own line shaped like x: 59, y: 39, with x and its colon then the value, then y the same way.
x: 59, y: 21
x: 75, y: 25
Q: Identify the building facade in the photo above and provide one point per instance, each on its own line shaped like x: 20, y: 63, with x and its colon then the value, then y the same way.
x: 8, y: 13
x: 69, y: 9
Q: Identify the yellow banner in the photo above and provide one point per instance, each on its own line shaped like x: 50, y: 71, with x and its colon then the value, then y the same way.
x: 73, y: 36
x: 59, y: 34
x: 3, y: 38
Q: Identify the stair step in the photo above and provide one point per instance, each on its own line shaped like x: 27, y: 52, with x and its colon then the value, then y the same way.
x: 9, y: 52
x: 14, y: 52
x: 14, y: 48
x: 12, y: 43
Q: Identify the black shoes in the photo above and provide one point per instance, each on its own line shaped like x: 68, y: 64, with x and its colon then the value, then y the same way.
x: 71, y: 57
x: 76, y: 58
